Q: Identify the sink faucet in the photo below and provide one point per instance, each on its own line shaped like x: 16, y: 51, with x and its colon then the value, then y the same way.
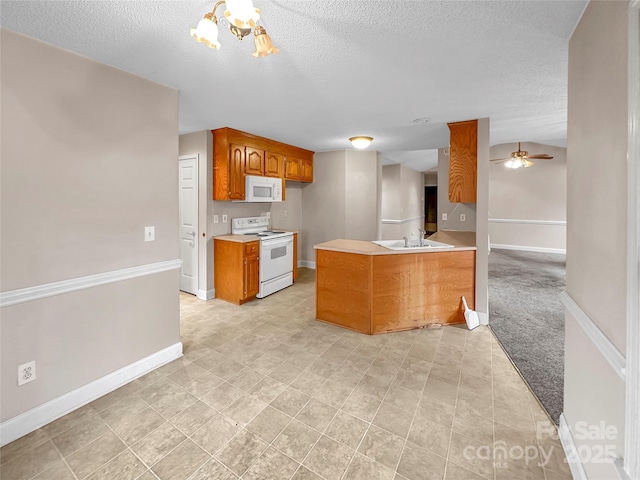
x: 421, y: 234
x: 406, y: 242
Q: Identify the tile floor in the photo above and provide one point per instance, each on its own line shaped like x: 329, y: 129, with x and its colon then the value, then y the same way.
x: 266, y: 392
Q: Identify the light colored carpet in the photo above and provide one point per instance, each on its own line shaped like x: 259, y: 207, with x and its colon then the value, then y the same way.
x: 527, y: 316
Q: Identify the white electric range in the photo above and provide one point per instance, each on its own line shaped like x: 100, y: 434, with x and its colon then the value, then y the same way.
x: 276, y: 253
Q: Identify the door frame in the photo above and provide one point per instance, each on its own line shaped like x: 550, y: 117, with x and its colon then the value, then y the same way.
x: 196, y: 159
x: 632, y: 364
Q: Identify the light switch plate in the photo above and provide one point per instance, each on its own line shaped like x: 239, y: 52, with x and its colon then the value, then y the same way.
x: 224, y: 218
x: 149, y: 234
x: 216, y: 219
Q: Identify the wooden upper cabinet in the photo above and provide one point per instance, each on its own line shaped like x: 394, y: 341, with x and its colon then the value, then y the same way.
x: 463, y: 162
x: 236, y: 172
x: 299, y: 169
x: 292, y: 168
x: 306, y: 170
x: 236, y: 154
x: 274, y: 164
x: 254, y: 161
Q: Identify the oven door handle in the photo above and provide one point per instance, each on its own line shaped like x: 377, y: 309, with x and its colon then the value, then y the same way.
x: 277, y: 242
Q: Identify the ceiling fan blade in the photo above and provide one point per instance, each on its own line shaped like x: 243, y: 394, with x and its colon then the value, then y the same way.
x: 541, y: 156
x: 500, y: 159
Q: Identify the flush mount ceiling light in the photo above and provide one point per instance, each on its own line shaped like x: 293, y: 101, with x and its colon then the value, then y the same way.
x: 422, y: 120
x: 361, y: 141
x: 242, y: 17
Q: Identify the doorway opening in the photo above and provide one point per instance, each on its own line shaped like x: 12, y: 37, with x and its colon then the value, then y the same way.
x: 431, y: 209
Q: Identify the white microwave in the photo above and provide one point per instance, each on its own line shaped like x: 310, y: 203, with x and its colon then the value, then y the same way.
x: 262, y: 189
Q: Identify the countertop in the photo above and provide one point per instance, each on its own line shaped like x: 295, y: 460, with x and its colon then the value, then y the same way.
x: 247, y: 238
x: 460, y: 240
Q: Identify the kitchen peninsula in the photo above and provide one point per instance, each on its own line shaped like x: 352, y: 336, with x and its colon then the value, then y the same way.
x: 371, y: 289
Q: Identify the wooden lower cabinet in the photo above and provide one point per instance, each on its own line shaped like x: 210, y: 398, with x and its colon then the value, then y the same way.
x: 388, y: 293
x: 236, y: 269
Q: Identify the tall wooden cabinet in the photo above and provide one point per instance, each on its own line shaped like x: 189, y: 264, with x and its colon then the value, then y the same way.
x: 236, y: 154
x: 463, y: 162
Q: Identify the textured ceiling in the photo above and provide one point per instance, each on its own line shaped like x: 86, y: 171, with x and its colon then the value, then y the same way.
x: 345, y: 68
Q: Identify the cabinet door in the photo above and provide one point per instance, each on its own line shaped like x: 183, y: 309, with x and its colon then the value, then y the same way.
x: 306, y: 170
x: 236, y: 172
x: 463, y: 162
x: 254, y: 163
x: 251, y: 276
x: 273, y: 164
x: 292, y: 168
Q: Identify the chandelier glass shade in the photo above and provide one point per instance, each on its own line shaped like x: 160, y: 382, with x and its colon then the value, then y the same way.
x: 242, y: 17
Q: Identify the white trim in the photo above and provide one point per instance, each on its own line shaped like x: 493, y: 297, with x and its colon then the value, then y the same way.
x: 398, y: 222
x: 307, y: 263
x: 484, y: 318
x: 599, y: 339
x: 632, y: 401
x: 569, y: 446
x: 206, y: 295
x: 528, y: 222
x: 525, y: 248
x: 195, y: 157
x: 28, y: 294
x: 35, y: 418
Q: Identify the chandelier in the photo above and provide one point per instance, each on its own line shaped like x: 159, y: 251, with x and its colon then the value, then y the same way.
x: 242, y: 17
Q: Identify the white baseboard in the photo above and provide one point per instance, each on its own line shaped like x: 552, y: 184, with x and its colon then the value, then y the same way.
x: 569, y: 446
x: 483, y: 317
x: 525, y: 248
x: 206, y: 294
x: 307, y: 263
x: 41, y: 415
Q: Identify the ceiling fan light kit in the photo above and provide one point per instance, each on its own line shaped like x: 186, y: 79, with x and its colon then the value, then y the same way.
x: 520, y: 159
x: 242, y: 17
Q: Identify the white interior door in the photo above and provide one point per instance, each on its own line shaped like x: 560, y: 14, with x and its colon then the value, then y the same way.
x: 188, y: 183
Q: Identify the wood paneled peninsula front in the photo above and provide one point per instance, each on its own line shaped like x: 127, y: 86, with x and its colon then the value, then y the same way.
x: 371, y: 289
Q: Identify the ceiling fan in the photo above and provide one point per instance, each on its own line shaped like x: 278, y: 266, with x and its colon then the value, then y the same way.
x: 520, y: 158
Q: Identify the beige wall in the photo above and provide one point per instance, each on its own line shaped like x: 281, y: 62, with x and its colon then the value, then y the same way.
x: 88, y: 160
x: 596, y: 192
x: 402, y: 201
x: 343, y: 200
x: 361, y: 195
x: 537, y: 193
x: 482, y: 221
x: 453, y: 210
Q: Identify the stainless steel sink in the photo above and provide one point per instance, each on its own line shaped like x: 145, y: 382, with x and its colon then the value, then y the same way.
x: 413, y: 245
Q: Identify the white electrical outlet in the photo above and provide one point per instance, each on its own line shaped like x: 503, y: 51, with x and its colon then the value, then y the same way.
x: 26, y: 373
x: 463, y: 217
x: 268, y: 214
x: 444, y: 216
x: 149, y: 234
x: 216, y: 219
x: 224, y: 218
